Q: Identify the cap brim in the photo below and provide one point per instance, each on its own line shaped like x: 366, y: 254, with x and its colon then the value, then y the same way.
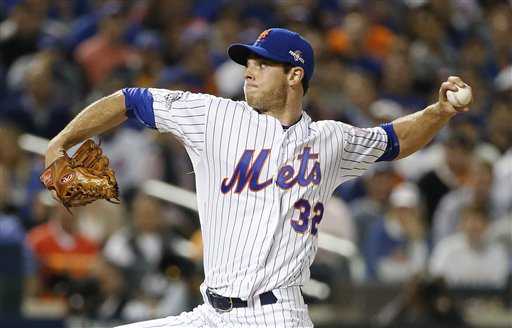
x: 239, y: 53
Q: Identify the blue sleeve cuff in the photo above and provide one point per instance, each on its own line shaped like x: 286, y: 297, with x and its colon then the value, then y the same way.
x: 393, y: 147
x: 139, y: 105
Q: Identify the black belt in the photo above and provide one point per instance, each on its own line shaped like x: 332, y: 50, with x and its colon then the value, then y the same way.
x: 226, y: 304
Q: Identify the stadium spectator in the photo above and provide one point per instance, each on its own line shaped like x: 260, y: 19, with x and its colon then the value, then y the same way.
x: 131, y: 171
x: 373, y: 202
x: 146, y: 253
x: 498, y: 129
x: 40, y: 108
x: 426, y: 302
x: 360, y: 90
x: 20, y: 32
x: 109, y: 300
x: 147, y: 69
x: 477, y: 192
x: 18, y: 266
x: 432, y: 54
x: 397, y: 246
x: 52, y: 54
x: 450, y: 173
x: 22, y: 174
x: 63, y: 253
x: 107, y: 44
x: 502, y: 190
x: 467, y: 259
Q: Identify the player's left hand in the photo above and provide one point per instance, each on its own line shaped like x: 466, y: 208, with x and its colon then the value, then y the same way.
x: 83, y: 178
x: 444, y: 105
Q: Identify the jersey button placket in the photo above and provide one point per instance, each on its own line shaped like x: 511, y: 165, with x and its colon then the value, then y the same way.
x: 283, y: 154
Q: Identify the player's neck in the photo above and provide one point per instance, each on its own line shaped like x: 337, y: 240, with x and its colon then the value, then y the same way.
x: 292, y: 111
x: 288, y: 118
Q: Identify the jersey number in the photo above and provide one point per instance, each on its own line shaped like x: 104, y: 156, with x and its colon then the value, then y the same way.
x: 301, y: 225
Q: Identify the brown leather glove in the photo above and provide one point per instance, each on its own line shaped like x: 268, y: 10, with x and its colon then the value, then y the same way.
x: 83, y: 178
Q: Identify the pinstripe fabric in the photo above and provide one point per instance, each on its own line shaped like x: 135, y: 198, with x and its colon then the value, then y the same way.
x: 254, y: 234
x: 289, y: 311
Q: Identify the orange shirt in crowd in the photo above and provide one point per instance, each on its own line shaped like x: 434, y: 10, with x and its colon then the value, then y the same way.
x: 61, y: 253
x: 377, y: 42
x: 113, y: 56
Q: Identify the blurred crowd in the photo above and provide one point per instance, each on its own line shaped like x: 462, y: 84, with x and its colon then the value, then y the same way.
x: 444, y: 213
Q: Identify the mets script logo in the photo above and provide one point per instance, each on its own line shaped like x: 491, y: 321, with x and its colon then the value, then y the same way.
x: 263, y: 35
x: 248, y: 171
x: 297, y: 55
x: 66, y: 178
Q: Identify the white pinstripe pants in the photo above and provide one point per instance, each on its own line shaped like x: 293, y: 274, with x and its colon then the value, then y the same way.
x: 289, y: 311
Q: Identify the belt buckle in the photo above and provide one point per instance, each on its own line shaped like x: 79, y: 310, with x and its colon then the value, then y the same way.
x: 229, y: 308
x: 220, y: 300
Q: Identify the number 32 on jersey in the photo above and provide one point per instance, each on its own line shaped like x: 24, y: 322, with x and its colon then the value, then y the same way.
x: 247, y: 173
x: 309, y: 218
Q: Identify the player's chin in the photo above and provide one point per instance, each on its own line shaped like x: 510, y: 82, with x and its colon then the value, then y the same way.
x: 251, y: 100
x: 256, y: 105
x: 250, y: 94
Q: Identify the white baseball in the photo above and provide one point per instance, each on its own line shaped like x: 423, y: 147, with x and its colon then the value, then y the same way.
x: 459, y: 98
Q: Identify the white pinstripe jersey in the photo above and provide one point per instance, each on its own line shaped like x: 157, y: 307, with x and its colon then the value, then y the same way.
x: 260, y: 187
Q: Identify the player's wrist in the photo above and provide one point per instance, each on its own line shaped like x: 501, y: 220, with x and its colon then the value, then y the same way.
x: 441, y: 110
x: 53, y: 152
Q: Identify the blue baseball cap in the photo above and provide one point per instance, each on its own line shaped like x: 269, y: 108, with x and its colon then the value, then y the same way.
x: 280, y: 45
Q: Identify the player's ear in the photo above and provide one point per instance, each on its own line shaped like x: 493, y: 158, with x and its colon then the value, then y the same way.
x: 296, y: 75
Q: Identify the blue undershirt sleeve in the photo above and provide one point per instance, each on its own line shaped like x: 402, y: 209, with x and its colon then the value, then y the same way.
x: 393, y: 147
x: 139, y: 106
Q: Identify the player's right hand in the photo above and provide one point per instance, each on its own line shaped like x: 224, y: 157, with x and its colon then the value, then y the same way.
x: 444, y: 105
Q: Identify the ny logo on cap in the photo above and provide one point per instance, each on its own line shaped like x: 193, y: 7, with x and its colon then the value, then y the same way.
x: 297, y: 55
x: 263, y: 35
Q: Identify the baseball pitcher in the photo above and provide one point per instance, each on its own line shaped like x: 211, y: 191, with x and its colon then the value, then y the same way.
x: 264, y: 172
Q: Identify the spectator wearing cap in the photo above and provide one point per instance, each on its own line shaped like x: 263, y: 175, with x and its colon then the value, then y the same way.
x: 397, y: 246
x: 150, y: 61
